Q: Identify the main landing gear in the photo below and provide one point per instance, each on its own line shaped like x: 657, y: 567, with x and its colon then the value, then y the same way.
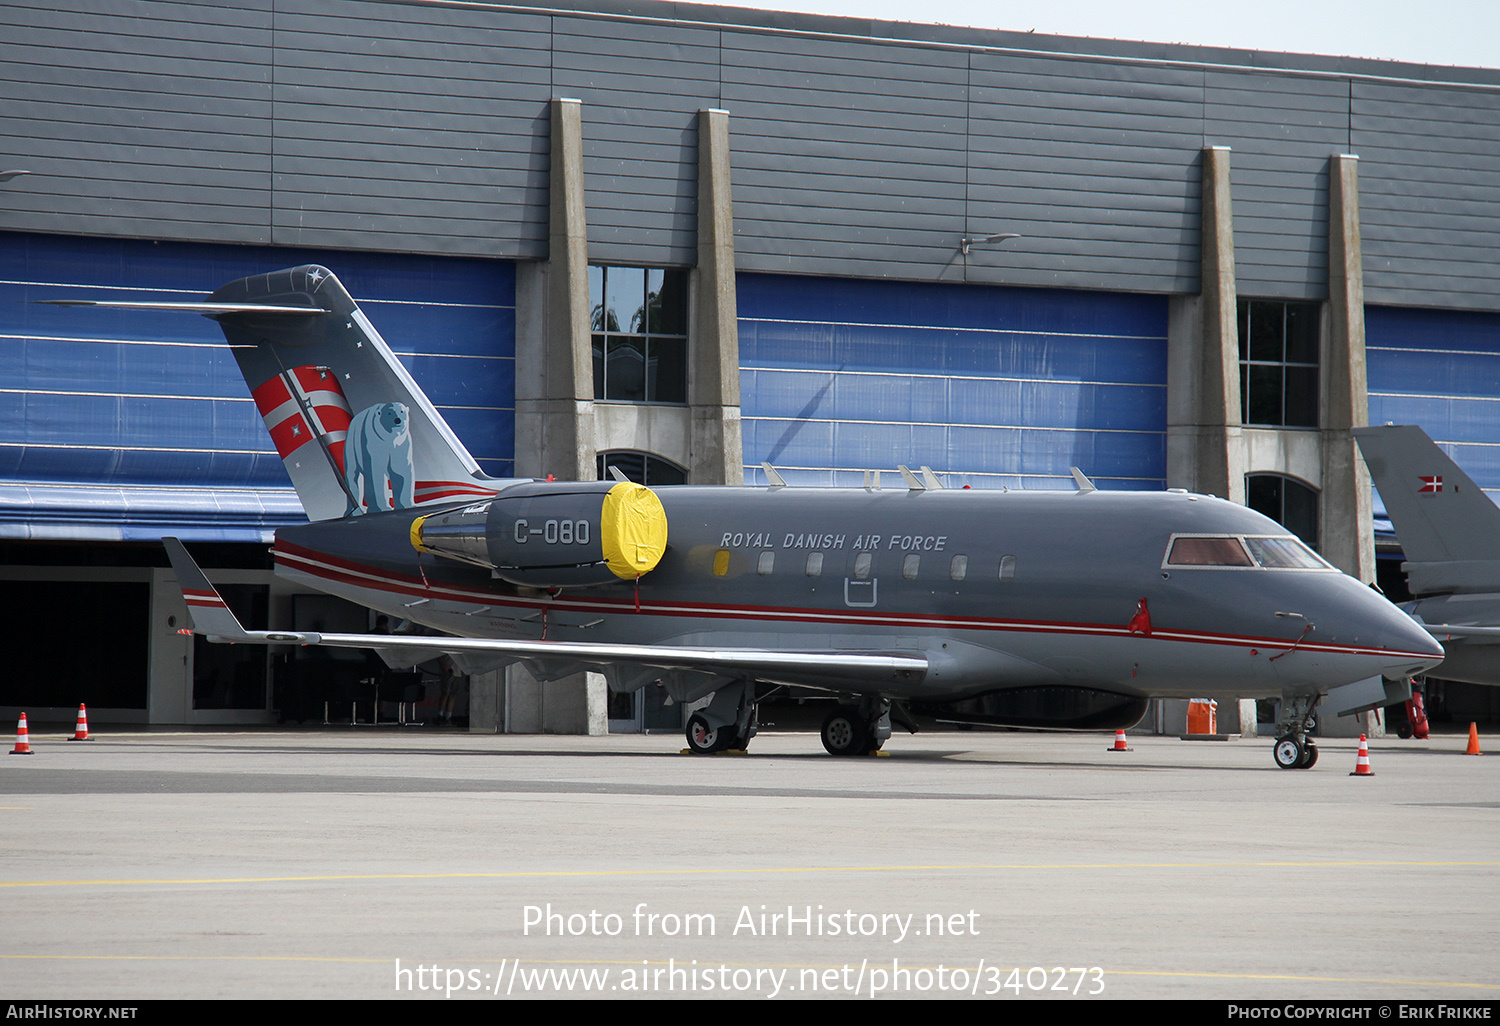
x: 1293, y: 748
x: 857, y: 729
x: 727, y: 723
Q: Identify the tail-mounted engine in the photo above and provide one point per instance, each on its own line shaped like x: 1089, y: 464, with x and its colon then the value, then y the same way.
x: 553, y: 534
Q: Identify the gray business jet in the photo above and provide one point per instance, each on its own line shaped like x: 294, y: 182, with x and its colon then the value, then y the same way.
x: 1035, y: 609
x: 1449, y: 531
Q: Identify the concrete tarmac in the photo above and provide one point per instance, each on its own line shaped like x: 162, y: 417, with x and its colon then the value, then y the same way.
x: 380, y: 862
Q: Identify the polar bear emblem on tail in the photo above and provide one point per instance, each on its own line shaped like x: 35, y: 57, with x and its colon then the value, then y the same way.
x: 377, y: 450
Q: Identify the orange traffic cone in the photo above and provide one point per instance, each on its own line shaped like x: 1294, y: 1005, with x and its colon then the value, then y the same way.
x: 1119, y: 743
x: 23, y: 738
x: 1362, y: 764
x: 1473, y: 748
x: 81, y: 731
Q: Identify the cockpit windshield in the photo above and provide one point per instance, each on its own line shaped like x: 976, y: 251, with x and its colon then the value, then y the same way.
x: 1283, y: 553
x: 1207, y: 552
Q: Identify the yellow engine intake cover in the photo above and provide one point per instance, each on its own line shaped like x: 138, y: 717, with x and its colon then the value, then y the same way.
x: 632, y: 529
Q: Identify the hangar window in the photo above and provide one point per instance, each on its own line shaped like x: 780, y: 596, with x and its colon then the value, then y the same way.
x: 640, y: 467
x: 1279, y: 363
x: 958, y: 567
x: 639, y: 324
x: 862, y: 565
x: 909, y: 566
x: 766, y: 564
x: 815, y: 564
x: 1208, y: 552
x: 1290, y: 503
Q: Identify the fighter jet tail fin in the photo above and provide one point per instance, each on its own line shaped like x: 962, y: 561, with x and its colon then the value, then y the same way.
x: 355, y: 432
x: 1439, y: 513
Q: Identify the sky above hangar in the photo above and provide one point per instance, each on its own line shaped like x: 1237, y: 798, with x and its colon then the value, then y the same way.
x: 1452, y: 32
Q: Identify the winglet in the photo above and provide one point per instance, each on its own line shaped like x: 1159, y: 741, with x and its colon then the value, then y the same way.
x: 206, y: 607
x: 211, y: 615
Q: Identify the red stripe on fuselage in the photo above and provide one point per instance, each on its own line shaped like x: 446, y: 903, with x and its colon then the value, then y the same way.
x: 344, y: 571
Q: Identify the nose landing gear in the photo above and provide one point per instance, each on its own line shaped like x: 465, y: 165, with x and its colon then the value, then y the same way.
x: 1293, y: 748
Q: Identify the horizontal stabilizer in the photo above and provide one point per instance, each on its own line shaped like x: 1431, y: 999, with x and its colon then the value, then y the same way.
x: 212, y: 617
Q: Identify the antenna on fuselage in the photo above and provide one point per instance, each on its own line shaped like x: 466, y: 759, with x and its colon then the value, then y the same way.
x: 872, y: 484
x: 775, y: 479
x: 930, y: 479
x: 913, y: 482
x: 1082, y: 481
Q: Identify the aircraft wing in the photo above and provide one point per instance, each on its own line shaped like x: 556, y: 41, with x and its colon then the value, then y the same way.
x: 213, y: 618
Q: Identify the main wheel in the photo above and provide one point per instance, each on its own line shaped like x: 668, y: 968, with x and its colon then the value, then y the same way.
x: 703, y: 739
x: 1309, y: 756
x: 1288, y: 753
x: 844, y: 732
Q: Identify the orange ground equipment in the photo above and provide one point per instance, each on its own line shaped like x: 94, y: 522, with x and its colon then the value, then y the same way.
x: 1473, y: 748
x: 1202, y: 716
x: 1416, y: 718
x: 1120, y: 745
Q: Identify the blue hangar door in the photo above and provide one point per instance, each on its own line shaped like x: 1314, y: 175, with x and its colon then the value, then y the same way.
x: 989, y: 386
x: 131, y: 424
x: 127, y: 425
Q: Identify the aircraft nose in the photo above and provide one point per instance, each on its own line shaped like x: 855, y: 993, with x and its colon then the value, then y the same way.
x: 1408, y: 642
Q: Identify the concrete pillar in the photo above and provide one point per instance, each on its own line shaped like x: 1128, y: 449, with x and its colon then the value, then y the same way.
x: 1204, y: 448
x: 714, y: 341
x: 1348, y: 537
x: 555, y: 413
x: 555, y: 396
x: 170, y: 658
x: 486, y: 702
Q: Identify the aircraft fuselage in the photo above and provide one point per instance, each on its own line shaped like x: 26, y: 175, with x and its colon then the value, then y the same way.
x: 998, y: 590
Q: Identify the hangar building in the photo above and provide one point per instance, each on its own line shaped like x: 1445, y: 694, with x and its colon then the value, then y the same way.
x: 687, y: 240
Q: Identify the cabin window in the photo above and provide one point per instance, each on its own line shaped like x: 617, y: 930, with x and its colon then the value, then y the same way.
x: 909, y: 566
x: 815, y: 564
x: 766, y: 564
x: 958, y: 567
x: 721, y: 562
x: 862, y: 565
x: 1007, y: 568
x: 1208, y: 552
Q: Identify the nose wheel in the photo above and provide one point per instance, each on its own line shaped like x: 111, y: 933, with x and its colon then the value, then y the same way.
x: 1295, y: 753
x: 1293, y: 748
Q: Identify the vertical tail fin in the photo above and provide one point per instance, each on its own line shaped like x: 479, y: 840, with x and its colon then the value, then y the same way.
x: 355, y: 432
x: 1440, y: 515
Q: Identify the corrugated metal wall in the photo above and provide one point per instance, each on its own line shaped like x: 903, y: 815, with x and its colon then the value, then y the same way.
x: 988, y: 386
x: 1439, y: 370
x: 128, y: 423
x: 423, y: 127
